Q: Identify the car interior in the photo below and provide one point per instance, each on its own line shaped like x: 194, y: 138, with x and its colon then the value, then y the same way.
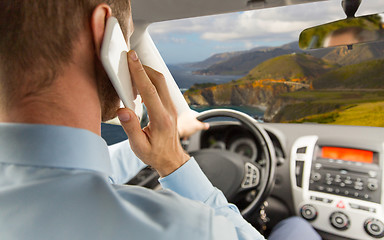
x: 315, y: 149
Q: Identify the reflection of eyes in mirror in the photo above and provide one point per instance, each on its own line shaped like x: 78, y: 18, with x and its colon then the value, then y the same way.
x: 348, y: 31
x: 349, y: 36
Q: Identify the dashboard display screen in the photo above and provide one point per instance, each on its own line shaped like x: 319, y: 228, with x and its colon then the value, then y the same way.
x: 347, y: 154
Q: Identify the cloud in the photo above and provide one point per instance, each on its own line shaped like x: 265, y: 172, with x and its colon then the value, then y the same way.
x: 283, y: 22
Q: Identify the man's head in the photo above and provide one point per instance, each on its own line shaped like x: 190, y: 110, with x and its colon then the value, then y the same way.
x: 37, y: 42
x: 349, y: 36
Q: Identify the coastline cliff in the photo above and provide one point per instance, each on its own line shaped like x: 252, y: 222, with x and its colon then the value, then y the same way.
x: 263, y: 84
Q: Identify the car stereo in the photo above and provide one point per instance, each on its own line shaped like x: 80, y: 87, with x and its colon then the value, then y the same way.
x: 337, y: 185
x: 346, y: 172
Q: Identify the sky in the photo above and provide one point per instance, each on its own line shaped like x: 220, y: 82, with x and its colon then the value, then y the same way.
x: 195, y: 39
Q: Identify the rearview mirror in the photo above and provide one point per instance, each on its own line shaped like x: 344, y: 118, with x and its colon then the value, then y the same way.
x: 344, y: 32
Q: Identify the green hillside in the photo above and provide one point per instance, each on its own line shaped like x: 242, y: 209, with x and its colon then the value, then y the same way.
x: 366, y: 114
x: 366, y: 75
x: 289, y: 67
x: 324, y: 106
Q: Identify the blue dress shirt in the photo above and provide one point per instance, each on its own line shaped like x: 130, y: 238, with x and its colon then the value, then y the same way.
x: 55, y: 184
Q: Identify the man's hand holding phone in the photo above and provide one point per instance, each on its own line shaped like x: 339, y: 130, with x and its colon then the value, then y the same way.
x: 158, y: 143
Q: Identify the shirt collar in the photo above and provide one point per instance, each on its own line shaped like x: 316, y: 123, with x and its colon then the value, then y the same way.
x: 54, y: 147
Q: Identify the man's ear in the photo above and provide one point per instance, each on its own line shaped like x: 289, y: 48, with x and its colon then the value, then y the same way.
x: 98, y: 22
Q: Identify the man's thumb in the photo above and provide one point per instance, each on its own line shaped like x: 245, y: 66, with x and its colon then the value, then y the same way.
x: 131, y: 124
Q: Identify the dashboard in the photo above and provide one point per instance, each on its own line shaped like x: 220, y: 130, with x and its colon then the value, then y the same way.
x: 235, y: 138
x: 329, y: 175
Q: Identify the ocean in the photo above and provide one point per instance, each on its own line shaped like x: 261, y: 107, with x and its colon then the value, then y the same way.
x: 185, y: 78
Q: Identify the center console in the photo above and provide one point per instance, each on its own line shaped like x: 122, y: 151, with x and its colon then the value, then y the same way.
x: 338, y: 187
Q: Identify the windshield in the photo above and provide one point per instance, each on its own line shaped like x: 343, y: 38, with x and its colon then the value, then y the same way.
x: 250, y: 61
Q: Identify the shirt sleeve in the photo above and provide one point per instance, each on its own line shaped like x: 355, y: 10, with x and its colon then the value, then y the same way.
x: 125, y: 164
x: 189, y: 181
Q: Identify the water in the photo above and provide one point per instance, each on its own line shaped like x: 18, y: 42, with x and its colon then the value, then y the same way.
x: 185, y: 78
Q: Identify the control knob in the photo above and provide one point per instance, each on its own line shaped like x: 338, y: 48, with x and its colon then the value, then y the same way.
x: 308, y: 212
x: 372, y: 184
x: 374, y: 228
x: 339, y: 221
x: 316, y: 176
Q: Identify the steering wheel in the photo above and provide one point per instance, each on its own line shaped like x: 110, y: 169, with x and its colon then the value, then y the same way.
x: 233, y: 173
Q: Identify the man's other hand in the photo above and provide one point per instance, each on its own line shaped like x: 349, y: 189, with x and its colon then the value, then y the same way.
x: 158, y: 143
x: 187, y: 124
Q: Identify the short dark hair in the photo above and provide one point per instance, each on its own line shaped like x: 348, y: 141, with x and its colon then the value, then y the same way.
x: 37, y: 38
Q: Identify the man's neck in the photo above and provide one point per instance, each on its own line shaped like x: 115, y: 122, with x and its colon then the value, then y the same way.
x: 71, y: 101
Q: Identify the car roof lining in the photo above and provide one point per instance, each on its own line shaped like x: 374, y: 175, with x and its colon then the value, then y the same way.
x: 164, y: 10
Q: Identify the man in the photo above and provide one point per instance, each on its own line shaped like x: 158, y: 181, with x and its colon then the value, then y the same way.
x: 55, y: 171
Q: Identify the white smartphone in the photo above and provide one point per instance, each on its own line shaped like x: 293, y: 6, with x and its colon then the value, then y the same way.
x: 114, y: 51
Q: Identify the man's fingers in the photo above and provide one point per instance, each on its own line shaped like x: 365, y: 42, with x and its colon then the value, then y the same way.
x: 187, y: 124
x: 144, y: 85
x: 132, y: 128
x: 161, y: 86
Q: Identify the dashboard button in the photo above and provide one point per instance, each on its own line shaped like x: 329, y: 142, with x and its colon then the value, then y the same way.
x: 374, y: 228
x: 358, y: 187
x: 359, y: 183
x: 340, y: 204
x: 364, y: 208
x: 301, y: 150
x: 373, y: 210
x: 339, y: 221
x: 348, y: 181
x: 308, y: 212
x: 354, y: 206
x: 372, y: 174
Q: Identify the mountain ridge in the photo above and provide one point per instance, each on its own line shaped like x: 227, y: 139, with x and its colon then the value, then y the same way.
x: 238, y: 63
x: 244, y: 61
